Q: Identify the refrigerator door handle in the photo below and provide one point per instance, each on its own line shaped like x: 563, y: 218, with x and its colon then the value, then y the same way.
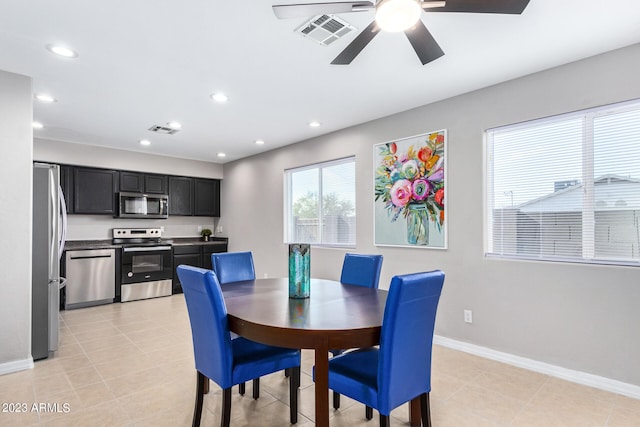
x: 53, y: 214
x: 63, y: 228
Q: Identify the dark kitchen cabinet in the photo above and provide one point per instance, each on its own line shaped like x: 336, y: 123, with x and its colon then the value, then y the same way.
x: 207, y: 197
x: 94, y: 191
x: 155, y: 184
x: 194, y: 196
x: 181, y: 195
x: 132, y: 182
x: 136, y: 182
x: 207, y: 250
x: 195, y: 255
x: 188, y: 255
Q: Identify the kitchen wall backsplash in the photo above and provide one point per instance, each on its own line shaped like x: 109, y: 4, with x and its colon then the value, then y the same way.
x: 98, y: 227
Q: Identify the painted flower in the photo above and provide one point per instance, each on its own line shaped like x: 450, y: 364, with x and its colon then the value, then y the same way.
x: 401, y: 192
x: 439, y: 197
x: 425, y: 154
x: 393, y: 147
x: 410, y: 169
x: 420, y: 189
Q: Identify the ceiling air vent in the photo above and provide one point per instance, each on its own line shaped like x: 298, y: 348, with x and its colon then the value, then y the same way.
x: 163, y: 129
x: 325, y: 29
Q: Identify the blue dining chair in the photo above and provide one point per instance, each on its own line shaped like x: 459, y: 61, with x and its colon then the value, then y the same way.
x: 235, y: 267
x: 400, y: 369
x: 360, y: 270
x: 225, y: 361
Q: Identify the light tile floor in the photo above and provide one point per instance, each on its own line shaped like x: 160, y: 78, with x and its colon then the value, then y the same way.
x: 132, y: 365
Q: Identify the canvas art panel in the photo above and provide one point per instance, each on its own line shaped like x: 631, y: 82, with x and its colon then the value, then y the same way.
x: 410, y: 191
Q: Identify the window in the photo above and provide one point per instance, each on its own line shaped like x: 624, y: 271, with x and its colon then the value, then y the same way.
x: 567, y: 188
x: 320, y: 204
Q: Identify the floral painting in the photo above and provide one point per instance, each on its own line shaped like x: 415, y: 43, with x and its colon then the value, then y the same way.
x: 410, y: 191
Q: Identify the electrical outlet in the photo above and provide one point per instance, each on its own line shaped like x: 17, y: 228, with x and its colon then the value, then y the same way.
x: 199, y: 228
x: 468, y: 316
x: 266, y: 275
x: 162, y: 229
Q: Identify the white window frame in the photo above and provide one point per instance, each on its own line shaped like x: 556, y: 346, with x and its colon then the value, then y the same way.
x: 288, y: 202
x: 588, y: 206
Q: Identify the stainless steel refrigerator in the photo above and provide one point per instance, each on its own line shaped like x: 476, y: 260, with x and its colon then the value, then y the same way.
x: 49, y: 229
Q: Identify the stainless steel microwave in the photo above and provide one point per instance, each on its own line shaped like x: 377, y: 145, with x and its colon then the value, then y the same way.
x: 136, y: 205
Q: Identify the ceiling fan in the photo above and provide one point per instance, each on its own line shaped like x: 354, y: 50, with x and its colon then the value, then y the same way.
x: 396, y: 16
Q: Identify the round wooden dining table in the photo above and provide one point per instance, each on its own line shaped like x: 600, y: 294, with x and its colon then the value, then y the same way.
x: 335, y: 316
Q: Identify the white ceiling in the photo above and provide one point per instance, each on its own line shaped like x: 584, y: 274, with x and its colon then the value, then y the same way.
x: 148, y: 62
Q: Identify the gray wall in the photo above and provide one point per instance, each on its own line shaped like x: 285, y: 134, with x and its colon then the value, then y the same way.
x: 580, y: 317
x: 15, y: 221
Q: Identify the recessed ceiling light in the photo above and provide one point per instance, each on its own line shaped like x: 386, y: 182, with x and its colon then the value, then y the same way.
x: 43, y: 97
x: 259, y: 142
x: 222, y: 155
x: 144, y: 142
x: 62, y: 51
x: 36, y: 125
x: 174, y: 125
x: 314, y: 124
x: 219, y: 97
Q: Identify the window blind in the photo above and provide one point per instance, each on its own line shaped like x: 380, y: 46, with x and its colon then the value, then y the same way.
x: 566, y: 188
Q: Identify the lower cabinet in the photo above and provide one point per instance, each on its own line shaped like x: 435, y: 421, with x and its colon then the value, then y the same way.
x: 195, y: 255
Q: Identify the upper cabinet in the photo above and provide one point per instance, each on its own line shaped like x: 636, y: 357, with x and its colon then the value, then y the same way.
x: 136, y: 182
x: 194, y: 196
x: 180, y: 195
x: 94, y: 191
x: 207, y: 197
x: 156, y: 184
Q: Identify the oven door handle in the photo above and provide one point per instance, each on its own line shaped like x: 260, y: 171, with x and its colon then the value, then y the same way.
x: 147, y: 249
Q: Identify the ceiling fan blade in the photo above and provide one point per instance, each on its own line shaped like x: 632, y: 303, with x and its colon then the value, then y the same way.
x: 514, y: 7
x: 423, y: 43
x: 284, y: 11
x: 429, y: 4
x: 356, y: 46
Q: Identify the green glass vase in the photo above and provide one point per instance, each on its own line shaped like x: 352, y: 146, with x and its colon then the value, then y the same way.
x: 299, y: 270
x: 417, y: 224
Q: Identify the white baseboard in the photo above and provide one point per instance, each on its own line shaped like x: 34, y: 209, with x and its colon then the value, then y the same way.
x: 16, y: 365
x: 583, y: 378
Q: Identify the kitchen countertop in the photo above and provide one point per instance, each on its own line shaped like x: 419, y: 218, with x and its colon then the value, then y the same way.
x: 79, y: 245
x: 184, y: 241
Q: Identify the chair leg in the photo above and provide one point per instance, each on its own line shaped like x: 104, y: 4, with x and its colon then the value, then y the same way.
x: 368, y: 412
x: 225, y: 421
x: 207, y: 383
x: 241, y: 389
x: 287, y: 372
x: 256, y: 388
x: 294, y: 385
x: 425, y: 409
x: 197, y: 411
x: 336, y: 400
x: 384, y: 420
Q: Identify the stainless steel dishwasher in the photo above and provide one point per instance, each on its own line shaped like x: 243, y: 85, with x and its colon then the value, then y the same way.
x: 91, y: 276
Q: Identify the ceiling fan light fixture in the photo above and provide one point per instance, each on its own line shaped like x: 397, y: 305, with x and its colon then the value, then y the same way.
x: 397, y: 15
